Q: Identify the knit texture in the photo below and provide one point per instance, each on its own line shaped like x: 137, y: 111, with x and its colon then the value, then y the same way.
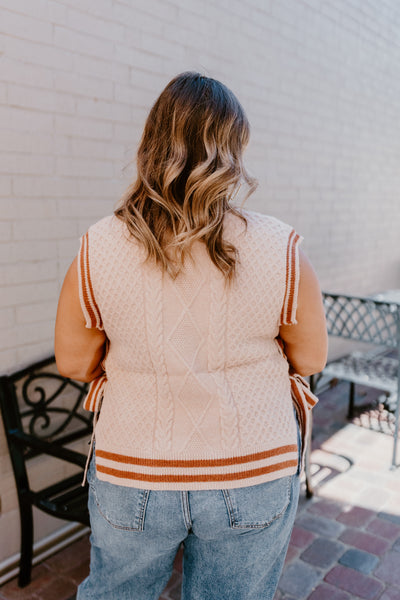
x: 196, y: 391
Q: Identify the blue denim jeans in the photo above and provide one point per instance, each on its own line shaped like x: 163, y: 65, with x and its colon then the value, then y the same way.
x: 235, y: 541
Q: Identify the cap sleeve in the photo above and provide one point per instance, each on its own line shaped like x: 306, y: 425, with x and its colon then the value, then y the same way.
x: 288, y: 313
x: 86, y: 295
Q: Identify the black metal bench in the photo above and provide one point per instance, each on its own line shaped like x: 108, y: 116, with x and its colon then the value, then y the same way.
x: 375, y: 322
x: 42, y: 415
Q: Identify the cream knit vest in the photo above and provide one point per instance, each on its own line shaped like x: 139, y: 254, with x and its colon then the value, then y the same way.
x: 196, y: 393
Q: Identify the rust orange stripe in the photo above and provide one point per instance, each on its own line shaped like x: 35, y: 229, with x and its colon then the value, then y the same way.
x: 217, y: 462
x: 84, y: 276
x: 299, y: 401
x: 91, y: 398
x: 96, y: 312
x: 197, y: 478
x: 292, y: 281
x: 96, y: 392
x: 310, y: 400
x: 287, y: 283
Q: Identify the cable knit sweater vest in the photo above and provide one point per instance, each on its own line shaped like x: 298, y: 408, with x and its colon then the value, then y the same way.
x: 196, y: 392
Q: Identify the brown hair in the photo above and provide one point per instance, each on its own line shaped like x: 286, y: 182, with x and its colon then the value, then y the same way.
x: 189, y: 166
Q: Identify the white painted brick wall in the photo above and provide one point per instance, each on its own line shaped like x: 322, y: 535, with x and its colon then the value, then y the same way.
x: 319, y: 81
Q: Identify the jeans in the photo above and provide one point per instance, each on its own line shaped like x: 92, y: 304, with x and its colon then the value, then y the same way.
x: 235, y: 541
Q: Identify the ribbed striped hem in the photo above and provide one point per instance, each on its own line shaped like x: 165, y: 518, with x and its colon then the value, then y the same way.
x: 288, y: 313
x: 86, y: 295
x: 196, y: 474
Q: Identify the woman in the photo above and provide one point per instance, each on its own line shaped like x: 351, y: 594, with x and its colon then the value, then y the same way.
x: 190, y: 318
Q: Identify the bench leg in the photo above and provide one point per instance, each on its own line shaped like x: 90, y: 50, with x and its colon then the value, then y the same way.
x: 309, y: 487
x: 307, y: 463
x: 396, y: 433
x: 25, y: 565
x: 350, y: 412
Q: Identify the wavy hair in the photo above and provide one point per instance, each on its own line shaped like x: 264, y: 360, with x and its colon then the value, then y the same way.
x: 189, y: 168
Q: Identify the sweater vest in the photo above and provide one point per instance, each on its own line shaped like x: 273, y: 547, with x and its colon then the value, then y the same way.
x: 196, y: 392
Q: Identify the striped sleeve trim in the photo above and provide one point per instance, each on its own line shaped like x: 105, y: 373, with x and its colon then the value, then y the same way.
x: 288, y: 313
x: 86, y: 295
x: 237, y: 468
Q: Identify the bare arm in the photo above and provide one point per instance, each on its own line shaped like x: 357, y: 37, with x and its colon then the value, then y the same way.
x: 306, y: 343
x: 78, y: 350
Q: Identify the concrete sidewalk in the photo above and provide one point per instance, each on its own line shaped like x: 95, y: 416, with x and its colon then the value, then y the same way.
x: 346, y: 540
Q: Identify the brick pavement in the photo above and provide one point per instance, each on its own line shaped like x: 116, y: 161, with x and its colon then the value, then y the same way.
x: 346, y: 540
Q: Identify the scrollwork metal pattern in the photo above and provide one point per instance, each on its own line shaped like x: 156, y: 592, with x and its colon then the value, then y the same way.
x: 41, y: 410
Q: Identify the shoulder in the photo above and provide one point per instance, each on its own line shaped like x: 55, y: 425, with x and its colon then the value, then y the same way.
x: 103, y: 236
x: 108, y: 224
x: 260, y: 224
x: 108, y: 231
x: 107, y: 240
x: 261, y: 220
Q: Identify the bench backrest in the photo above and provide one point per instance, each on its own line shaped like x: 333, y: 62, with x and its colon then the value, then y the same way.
x: 363, y: 319
x: 39, y: 402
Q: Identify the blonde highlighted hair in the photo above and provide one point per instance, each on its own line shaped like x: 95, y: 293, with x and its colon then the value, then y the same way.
x: 189, y: 167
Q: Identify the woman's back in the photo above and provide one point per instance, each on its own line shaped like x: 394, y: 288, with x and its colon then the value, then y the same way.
x: 194, y: 370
